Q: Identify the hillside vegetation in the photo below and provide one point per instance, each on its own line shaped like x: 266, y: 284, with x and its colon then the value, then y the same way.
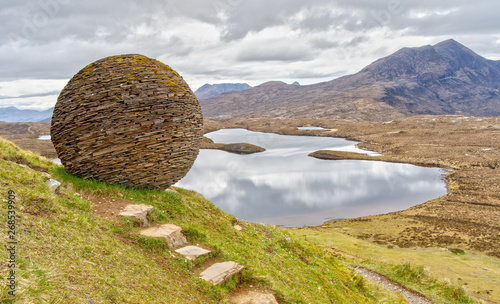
x: 70, y: 250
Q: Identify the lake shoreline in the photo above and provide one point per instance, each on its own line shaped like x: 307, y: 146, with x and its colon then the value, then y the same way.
x: 284, y: 186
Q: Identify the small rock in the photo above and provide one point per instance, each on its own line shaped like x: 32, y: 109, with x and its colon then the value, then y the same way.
x: 139, y: 212
x: 238, y: 227
x: 172, y: 233
x: 53, y: 184
x: 192, y: 252
x: 171, y: 190
x: 219, y: 273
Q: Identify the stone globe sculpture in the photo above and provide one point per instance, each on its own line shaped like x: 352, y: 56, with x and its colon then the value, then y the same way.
x: 128, y: 120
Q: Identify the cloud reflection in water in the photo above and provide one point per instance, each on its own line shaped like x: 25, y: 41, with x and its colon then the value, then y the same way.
x: 284, y: 186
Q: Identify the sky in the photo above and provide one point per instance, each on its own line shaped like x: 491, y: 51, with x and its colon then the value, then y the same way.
x: 43, y: 43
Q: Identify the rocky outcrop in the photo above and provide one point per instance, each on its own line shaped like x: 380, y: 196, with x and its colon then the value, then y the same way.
x: 128, y: 120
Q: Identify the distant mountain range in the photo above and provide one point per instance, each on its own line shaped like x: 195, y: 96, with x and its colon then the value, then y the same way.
x: 210, y: 90
x: 13, y: 114
x: 447, y: 78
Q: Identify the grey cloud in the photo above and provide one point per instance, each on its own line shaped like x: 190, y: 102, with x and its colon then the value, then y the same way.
x: 319, y: 22
x: 475, y: 19
x: 322, y: 43
x: 313, y: 74
x: 51, y: 93
x: 256, y: 15
x: 356, y: 41
x: 285, y: 53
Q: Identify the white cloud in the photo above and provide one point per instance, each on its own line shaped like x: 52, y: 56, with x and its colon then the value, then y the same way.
x: 32, y: 103
x: 22, y: 87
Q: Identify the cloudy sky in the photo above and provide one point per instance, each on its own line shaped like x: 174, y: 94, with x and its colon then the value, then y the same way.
x: 43, y: 43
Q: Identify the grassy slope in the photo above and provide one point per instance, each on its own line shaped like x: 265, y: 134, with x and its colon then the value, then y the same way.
x: 68, y: 254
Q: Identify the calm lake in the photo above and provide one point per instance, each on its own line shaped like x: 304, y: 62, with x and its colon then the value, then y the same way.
x: 283, y: 186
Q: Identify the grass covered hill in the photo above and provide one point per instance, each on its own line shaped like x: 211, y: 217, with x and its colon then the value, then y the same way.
x: 71, y: 249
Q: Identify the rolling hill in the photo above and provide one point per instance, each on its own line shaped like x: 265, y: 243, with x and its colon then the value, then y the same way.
x: 210, y: 90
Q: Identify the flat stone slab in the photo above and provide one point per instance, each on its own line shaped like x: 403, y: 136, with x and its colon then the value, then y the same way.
x: 138, y: 212
x: 219, y: 273
x: 192, y: 252
x: 253, y: 297
x: 172, y: 233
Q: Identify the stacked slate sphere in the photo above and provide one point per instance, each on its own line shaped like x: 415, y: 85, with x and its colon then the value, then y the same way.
x: 128, y: 120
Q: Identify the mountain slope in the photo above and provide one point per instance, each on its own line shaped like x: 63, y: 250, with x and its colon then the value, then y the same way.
x: 13, y: 114
x: 446, y: 78
x: 210, y: 90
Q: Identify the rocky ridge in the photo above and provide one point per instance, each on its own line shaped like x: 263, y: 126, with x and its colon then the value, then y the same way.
x: 447, y: 78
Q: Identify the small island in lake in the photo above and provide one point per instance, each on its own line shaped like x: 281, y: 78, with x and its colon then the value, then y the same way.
x: 238, y: 148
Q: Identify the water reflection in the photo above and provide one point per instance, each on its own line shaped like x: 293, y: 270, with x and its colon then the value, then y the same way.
x: 283, y: 186
x: 311, y: 128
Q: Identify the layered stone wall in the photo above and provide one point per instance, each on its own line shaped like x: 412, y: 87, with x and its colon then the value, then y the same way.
x: 128, y: 120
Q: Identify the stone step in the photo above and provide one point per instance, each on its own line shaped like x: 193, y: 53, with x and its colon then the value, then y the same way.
x: 192, y: 252
x: 220, y: 272
x: 172, y: 233
x: 138, y: 212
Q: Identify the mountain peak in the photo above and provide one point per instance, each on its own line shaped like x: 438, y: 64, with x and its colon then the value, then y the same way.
x: 452, y: 47
x: 445, y: 78
x: 449, y: 42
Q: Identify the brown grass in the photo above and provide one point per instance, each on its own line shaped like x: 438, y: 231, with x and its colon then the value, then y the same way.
x: 25, y: 135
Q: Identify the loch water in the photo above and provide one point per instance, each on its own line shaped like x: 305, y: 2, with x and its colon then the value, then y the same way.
x: 286, y: 187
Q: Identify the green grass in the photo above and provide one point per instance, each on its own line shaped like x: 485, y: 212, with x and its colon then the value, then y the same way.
x: 68, y: 254
x: 442, y: 275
